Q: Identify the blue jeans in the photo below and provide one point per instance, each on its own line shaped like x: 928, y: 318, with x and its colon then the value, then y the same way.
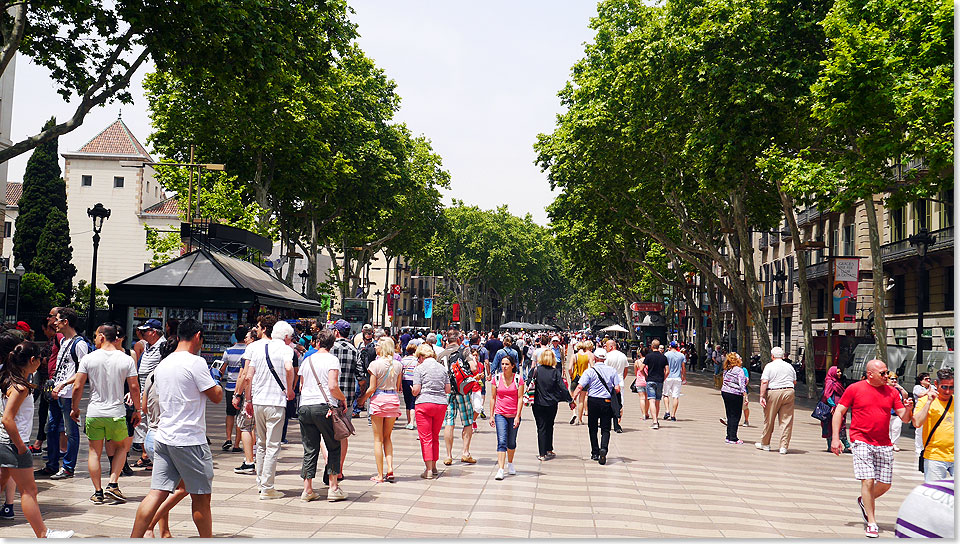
x: 59, y: 420
x: 654, y: 390
x: 936, y: 470
x: 506, y: 433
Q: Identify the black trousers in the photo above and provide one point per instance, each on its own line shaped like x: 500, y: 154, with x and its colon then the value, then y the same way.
x: 599, y: 416
x: 734, y: 406
x: 545, y: 416
x: 42, y: 418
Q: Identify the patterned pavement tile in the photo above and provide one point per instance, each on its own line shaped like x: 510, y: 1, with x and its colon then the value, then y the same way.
x: 681, y: 481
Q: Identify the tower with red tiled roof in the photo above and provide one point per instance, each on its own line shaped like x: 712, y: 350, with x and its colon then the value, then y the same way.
x: 99, y: 172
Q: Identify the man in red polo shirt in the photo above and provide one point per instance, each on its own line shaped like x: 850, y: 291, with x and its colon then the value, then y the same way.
x: 870, y: 402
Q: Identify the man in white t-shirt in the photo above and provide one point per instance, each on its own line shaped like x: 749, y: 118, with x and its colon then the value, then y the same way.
x: 616, y: 360
x: 777, y: 399
x: 181, y: 453
x: 107, y: 369
x: 72, y: 348
x: 268, y: 382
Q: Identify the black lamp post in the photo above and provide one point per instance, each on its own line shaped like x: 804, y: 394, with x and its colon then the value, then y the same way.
x: 922, y: 241
x: 378, y: 294
x: 98, y: 214
x: 781, y: 278
x: 303, y: 281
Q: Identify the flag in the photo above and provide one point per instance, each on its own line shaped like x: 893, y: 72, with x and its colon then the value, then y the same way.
x: 427, y: 308
x: 479, y: 316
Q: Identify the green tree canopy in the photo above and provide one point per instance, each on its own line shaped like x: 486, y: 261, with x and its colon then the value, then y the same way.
x: 54, y: 257
x: 43, y: 191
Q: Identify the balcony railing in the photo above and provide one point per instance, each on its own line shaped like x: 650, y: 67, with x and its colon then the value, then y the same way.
x: 818, y: 270
x: 764, y: 240
x: 902, y: 249
x: 808, y: 216
x: 769, y: 300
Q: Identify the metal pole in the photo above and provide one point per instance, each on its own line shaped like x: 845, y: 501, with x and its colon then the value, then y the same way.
x: 93, y: 286
x: 921, y: 300
x: 190, y: 190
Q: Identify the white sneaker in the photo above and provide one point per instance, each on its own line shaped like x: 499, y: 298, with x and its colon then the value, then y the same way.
x: 511, y: 470
x: 59, y: 534
x: 761, y: 446
x: 338, y: 494
x: 783, y: 451
x: 499, y: 475
x: 271, y: 493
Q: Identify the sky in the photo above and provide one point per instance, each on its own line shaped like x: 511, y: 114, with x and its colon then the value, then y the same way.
x: 480, y: 80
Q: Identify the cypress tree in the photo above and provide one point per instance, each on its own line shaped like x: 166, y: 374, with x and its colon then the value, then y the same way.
x: 43, y: 190
x: 54, y: 253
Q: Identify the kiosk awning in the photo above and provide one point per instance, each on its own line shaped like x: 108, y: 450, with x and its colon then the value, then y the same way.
x: 204, y: 278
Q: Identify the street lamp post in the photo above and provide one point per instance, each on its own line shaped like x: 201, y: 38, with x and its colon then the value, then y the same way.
x: 98, y: 214
x: 781, y: 278
x: 378, y: 294
x: 922, y: 241
x: 303, y: 281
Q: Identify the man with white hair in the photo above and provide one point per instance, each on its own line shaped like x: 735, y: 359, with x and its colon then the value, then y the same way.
x: 268, y: 359
x: 777, y: 397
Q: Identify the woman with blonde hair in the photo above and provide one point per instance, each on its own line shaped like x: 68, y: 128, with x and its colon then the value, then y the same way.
x: 733, y: 388
x: 548, y: 392
x: 584, y: 360
x: 431, y: 385
x: 386, y: 375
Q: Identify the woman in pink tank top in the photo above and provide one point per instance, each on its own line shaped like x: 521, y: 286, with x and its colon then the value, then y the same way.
x: 506, y: 401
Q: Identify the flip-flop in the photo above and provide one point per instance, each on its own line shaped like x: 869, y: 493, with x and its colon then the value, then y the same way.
x: 376, y: 480
x: 390, y: 477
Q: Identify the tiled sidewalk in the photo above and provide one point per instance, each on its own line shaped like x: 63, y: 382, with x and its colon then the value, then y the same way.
x: 679, y: 481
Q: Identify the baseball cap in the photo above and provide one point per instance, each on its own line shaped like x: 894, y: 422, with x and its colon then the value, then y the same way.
x: 600, y: 353
x: 555, y: 339
x: 673, y: 343
x: 151, y: 324
x: 341, y: 325
x: 367, y: 327
x: 22, y: 326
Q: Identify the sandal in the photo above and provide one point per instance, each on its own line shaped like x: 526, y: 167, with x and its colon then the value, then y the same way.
x: 390, y: 477
x: 144, y: 463
x: 376, y: 479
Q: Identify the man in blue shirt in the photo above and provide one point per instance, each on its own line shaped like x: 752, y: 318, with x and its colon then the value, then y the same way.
x: 599, y: 382
x: 232, y: 364
x: 677, y: 364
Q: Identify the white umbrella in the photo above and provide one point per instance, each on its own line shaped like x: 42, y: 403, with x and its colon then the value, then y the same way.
x: 614, y: 328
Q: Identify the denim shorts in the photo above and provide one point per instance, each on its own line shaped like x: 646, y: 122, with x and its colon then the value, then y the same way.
x: 506, y: 433
x: 654, y: 390
x: 934, y: 470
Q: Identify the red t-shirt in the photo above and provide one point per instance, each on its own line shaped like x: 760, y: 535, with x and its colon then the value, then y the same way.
x: 870, y: 412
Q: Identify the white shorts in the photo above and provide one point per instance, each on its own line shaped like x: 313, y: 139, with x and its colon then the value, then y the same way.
x: 671, y: 387
x: 476, y: 398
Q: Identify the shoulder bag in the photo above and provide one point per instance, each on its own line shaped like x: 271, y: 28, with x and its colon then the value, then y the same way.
x: 614, y: 400
x: 531, y: 390
x: 933, y: 430
x: 342, y: 426
x: 266, y: 351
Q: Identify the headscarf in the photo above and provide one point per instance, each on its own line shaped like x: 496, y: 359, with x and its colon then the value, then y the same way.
x: 832, y: 384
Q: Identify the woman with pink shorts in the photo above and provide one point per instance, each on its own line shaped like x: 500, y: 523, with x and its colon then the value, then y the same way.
x: 386, y: 375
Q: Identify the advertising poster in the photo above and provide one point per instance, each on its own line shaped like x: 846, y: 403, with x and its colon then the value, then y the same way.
x: 456, y: 311
x: 427, y: 308
x: 845, y: 274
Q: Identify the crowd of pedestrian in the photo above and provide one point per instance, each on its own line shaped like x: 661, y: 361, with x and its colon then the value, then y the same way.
x: 152, y: 399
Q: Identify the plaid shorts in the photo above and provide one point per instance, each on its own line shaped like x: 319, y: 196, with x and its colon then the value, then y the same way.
x: 458, y: 403
x: 872, y: 462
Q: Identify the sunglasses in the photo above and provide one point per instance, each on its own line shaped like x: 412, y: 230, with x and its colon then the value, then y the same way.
x: 884, y: 372
x: 945, y: 387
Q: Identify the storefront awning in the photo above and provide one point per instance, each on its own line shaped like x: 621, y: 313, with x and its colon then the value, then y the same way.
x: 203, y: 278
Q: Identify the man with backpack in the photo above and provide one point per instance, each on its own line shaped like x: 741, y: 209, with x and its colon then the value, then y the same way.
x: 72, y: 348
x: 455, y: 358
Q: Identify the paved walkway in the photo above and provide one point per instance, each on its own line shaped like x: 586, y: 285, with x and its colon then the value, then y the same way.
x: 679, y: 481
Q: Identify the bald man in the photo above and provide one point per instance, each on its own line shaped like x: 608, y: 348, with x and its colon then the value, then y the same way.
x: 870, y: 402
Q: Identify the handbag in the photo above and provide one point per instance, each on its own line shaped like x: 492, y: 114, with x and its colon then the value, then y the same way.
x: 933, y: 430
x: 530, y: 393
x: 48, y: 390
x: 633, y: 386
x: 823, y: 411
x: 342, y: 426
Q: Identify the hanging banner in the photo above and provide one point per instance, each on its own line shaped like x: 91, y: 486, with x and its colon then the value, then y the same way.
x: 846, y: 271
x: 427, y: 308
x: 456, y: 311
x: 479, y: 315
x: 390, y: 302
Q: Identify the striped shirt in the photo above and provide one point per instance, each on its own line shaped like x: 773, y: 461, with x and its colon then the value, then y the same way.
x: 233, y: 360
x: 149, y: 360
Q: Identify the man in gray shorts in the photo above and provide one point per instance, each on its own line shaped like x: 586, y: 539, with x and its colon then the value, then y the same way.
x: 181, y: 451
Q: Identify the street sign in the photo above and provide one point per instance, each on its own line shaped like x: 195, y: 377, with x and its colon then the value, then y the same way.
x: 647, y: 306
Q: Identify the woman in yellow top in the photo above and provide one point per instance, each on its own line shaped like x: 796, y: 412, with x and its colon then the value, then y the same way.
x: 580, y: 362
